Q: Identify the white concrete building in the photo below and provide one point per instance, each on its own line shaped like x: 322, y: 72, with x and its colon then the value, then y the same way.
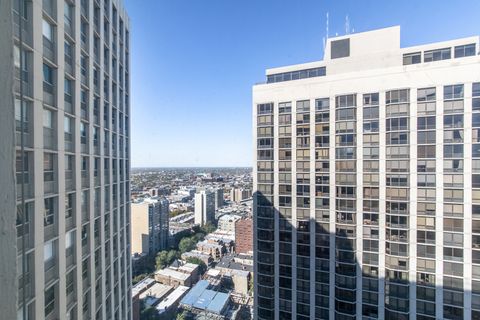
x: 227, y: 222
x: 71, y: 91
x: 204, y: 207
x: 150, y: 221
x: 367, y: 182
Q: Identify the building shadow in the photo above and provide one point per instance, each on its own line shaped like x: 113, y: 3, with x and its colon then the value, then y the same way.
x: 307, y: 270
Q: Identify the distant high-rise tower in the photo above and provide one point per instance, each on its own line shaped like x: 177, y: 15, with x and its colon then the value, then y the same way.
x: 70, y: 91
x: 367, y: 182
x: 219, y: 201
x: 150, y: 220
x: 204, y: 207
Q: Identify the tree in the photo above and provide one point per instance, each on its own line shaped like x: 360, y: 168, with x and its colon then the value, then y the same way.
x: 208, y: 228
x: 182, y: 316
x: 149, y: 314
x: 172, y: 255
x: 202, y: 267
x: 139, y: 278
x: 161, y: 260
x: 186, y: 244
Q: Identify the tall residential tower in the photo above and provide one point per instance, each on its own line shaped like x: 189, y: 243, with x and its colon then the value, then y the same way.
x: 367, y: 182
x: 70, y: 92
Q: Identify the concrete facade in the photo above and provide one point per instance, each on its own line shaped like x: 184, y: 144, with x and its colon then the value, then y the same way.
x: 204, y: 207
x: 366, y: 194
x: 8, y: 243
x: 150, y: 220
x: 71, y: 73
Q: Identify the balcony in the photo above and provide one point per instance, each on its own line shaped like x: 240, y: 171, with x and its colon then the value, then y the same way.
x: 84, y: 111
x: 69, y: 180
x: 27, y: 180
x: 69, y: 142
x: 50, y: 274
x: 28, y: 285
x: 49, y: 7
x: 85, y: 179
x: 26, y: 28
x: 84, y: 147
x: 70, y: 222
x: 84, y: 9
x: 70, y: 257
x: 50, y: 231
x: 49, y: 141
x: 85, y: 249
x: 49, y: 50
x: 49, y: 187
x: 68, y: 104
x: 69, y: 30
x: 27, y: 137
x: 26, y: 81
x: 69, y: 66
x: 49, y: 94
x: 26, y: 232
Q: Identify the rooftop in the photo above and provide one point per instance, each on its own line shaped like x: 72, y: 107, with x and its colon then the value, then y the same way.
x: 172, y: 298
x: 156, y: 292
x: 200, y: 297
x: 376, y: 49
x: 142, y: 286
x: 167, y: 272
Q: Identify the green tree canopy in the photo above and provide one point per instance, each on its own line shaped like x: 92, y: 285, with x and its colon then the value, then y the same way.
x: 202, y: 267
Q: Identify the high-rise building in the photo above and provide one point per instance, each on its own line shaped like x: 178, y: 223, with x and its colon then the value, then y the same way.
x: 150, y: 220
x: 70, y: 88
x: 240, y: 194
x: 367, y: 182
x: 244, y: 235
x: 219, y: 201
x: 204, y: 207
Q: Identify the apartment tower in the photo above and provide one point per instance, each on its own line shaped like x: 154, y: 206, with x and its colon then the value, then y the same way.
x: 70, y: 92
x: 205, y: 206
x: 367, y: 182
x: 150, y: 220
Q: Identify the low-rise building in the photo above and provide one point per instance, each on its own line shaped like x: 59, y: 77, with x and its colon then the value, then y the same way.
x: 227, y: 222
x: 240, y: 194
x: 173, y: 277
x: 205, y: 257
x: 215, y: 250
x: 166, y: 308
x: 154, y: 294
x: 136, y: 291
x: 206, y: 300
x: 184, y: 274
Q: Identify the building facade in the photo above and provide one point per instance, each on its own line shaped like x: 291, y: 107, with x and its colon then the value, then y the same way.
x: 219, y: 200
x: 71, y: 92
x: 240, y: 194
x: 204, y: 207
x: 244, y: 235
x: 150, y: 221
x: 367, y: 182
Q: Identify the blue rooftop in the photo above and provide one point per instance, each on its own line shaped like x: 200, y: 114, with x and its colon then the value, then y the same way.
x: 202, y: 298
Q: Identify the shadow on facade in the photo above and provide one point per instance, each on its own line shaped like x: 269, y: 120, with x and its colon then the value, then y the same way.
x: 332, y: 284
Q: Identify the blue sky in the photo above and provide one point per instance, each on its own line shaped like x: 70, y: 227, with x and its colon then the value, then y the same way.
x: 194, y: 63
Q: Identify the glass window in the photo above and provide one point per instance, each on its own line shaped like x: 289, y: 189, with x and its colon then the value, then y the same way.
x: 436, y: 55
x: 48, y: 253
x: 412, y: 58
x: 453, y: 92
x: 47, y: 74
x: 47, y: 30
x: 47, y: 118
x: 465, y: 50
x: 426, y: 94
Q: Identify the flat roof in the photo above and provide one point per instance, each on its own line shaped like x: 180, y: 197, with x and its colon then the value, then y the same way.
x: 156, y: 292
x: 171, y: 299
x: 208, y: 300
x: 173, y: 274
x: 142, y: 286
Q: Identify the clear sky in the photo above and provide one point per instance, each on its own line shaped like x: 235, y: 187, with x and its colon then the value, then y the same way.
x: 194, y: 63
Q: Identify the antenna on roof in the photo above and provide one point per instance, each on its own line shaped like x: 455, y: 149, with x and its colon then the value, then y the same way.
x: 347, y: 25
x: 326, y: 36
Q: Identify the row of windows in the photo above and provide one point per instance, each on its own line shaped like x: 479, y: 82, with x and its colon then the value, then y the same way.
x: 439, y: 54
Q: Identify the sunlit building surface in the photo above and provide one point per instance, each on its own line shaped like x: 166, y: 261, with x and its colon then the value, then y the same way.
x: 72, y: 113
x: 367, y: 182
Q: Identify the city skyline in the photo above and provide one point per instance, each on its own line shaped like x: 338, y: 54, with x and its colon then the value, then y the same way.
x: 194, y: 64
